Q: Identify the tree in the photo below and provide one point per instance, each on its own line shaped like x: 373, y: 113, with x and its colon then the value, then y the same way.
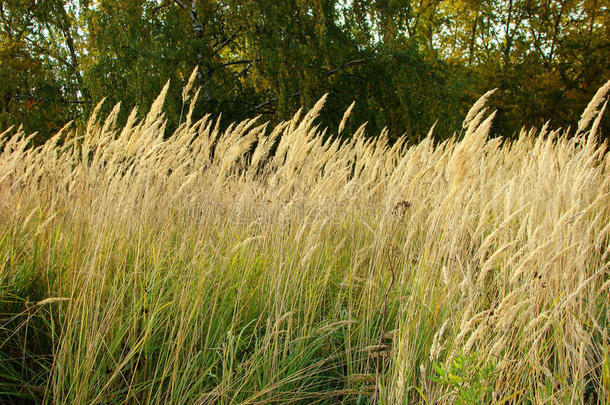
x: 40, y: 66
x: 406, y: 63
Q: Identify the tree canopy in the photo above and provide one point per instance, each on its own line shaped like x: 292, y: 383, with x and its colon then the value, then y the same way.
x: 406, y: 63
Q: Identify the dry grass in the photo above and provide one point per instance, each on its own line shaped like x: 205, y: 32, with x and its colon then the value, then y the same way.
x: 260, y: 265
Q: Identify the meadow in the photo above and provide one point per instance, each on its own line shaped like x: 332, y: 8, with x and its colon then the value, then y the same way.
x: 286, y: 264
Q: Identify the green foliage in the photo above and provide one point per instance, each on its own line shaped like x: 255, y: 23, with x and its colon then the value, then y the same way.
x: 408, y: 63
x: 465, y: 377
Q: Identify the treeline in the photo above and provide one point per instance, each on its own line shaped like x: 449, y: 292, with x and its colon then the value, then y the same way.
x: 407, y: 63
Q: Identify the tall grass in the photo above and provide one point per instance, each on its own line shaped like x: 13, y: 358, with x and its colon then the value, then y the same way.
x: 284, y: 265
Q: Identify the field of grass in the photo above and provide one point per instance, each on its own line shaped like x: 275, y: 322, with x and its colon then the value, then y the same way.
x: 283, y: 265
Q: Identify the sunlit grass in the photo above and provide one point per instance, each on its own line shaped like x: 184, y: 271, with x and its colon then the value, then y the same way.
x: 252, y: 265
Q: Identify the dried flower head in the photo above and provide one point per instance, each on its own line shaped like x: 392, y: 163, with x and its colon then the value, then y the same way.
x: 400, y: 208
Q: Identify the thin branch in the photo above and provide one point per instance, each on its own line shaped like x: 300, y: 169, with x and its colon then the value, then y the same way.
x: 417, y: 16
x: 160, y: 7
x: 242, y: 73
x: 48, y: 100
x: 225, y: 42
x: 236, y: 62
x: 346, y: 65
x: 273, y: 100
x: 261, y: 105
x: 179, y: 3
